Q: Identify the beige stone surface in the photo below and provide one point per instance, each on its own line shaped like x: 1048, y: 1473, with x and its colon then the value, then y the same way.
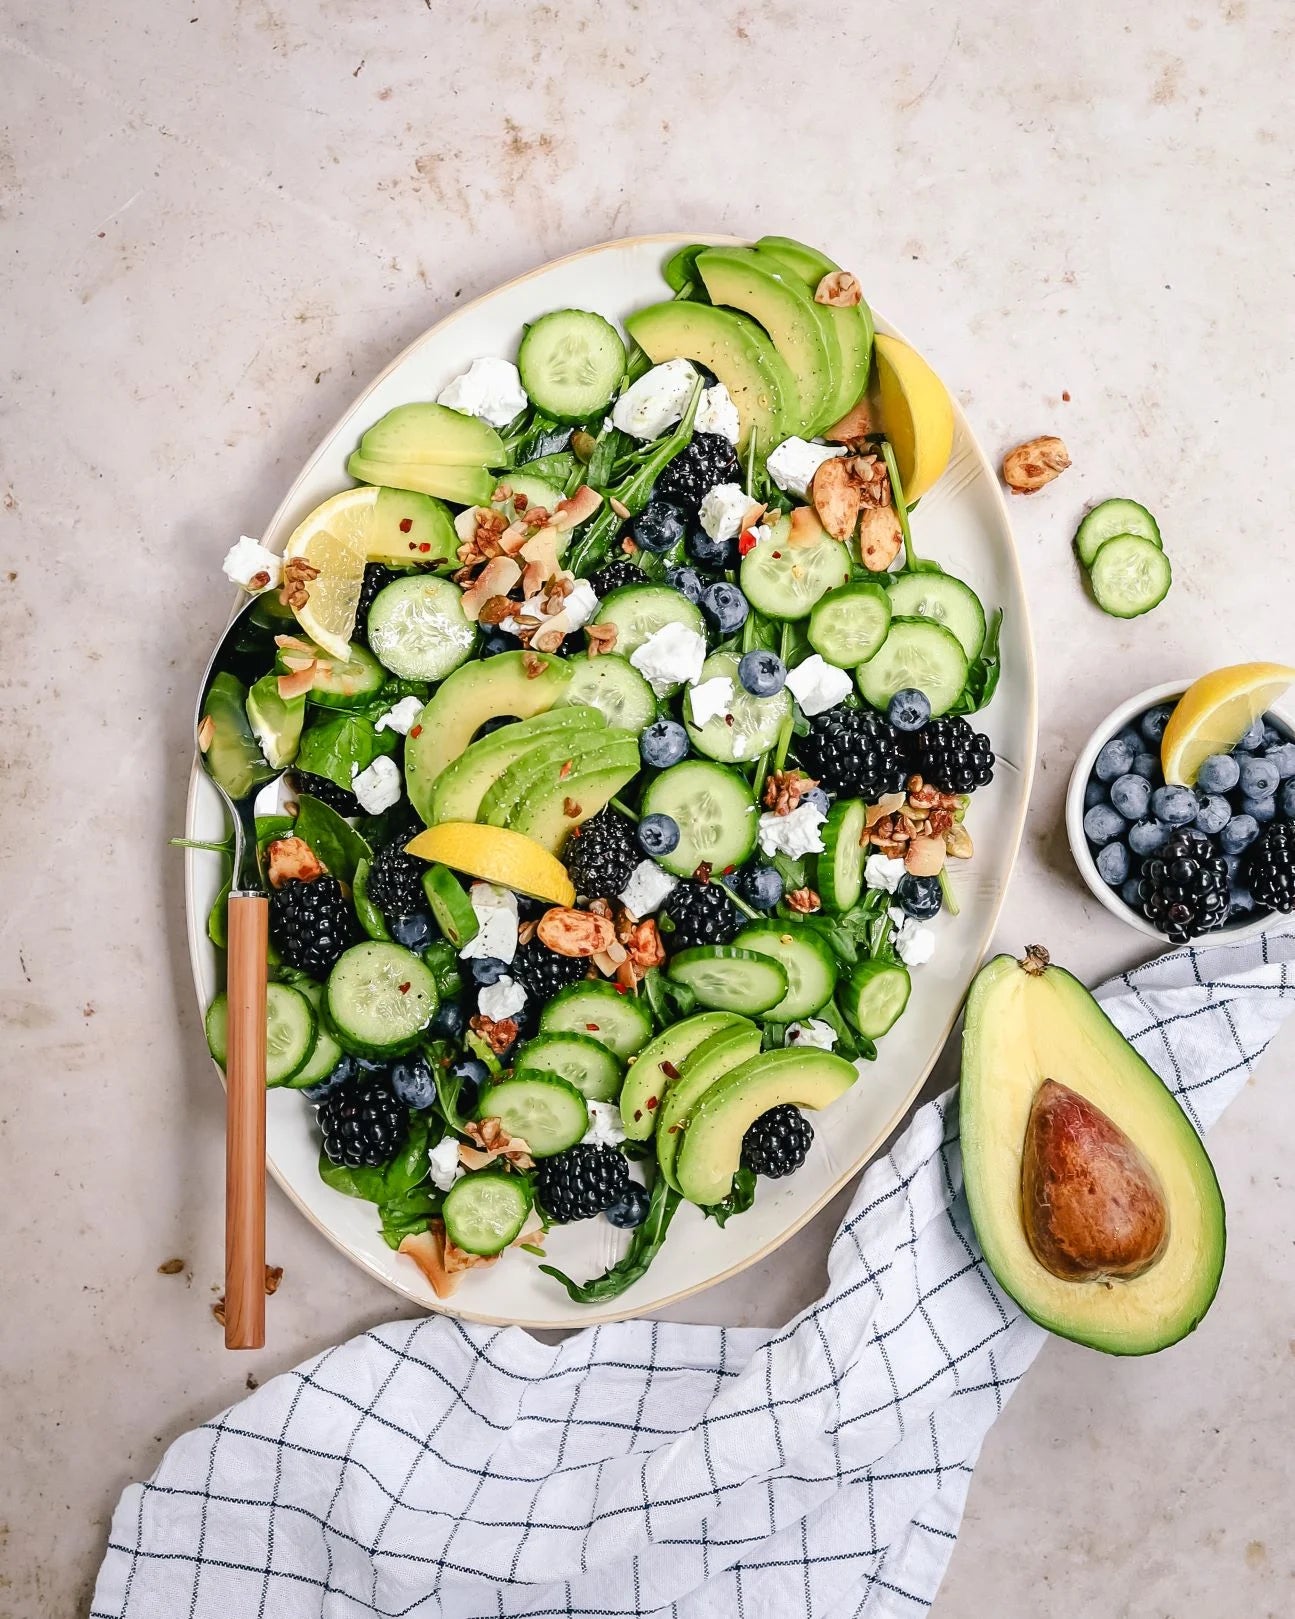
x: 218, y: 222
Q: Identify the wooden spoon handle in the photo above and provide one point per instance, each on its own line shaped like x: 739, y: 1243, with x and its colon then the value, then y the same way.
x: 249, y: 916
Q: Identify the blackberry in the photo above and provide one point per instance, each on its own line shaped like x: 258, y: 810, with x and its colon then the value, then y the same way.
x: 396, y: 882
x: 601, y: 855
x: 953, y: 757
x: 341, y: 799
x: 1271, y: 870
x: 581, y: 1182
x: 707, y: 460
x: 544, y: 972
x: 777, y: 1143
x: 376, y: 578
x: 312, y: 924
x: 614, y: 575
x: 363, y: 1123
x: 853, y: 752
x: 702, y: 913
x: 1184, y: 888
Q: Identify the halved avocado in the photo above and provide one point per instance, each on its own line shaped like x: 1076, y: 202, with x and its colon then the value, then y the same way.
x: 720, y: 1053
x: 1093, y: 1198
x: 853, y: 327
x: 464, y: 485
x: 712, y: 1137
x: 548, y: 816
x: 408, y: 527
x: 736, y: 350
x: 464, y: 701
x: 742, y: 279
x: 422, y: 432
x: 460, y: 787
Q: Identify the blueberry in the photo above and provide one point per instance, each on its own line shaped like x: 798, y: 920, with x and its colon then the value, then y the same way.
x: 1131, y: 892
x: 716, y: 556
x: 664, y: 743
x: 1102, y: 824
x: 1259, y: 777
x: 1237, y: 836
x: 630, y: 1208
x: 763, y: 674
x: 909, y: 709
x: 1288, y: 800
x: 411, y: 1080
x: 1282, y: 754
x: 761, y: 887
x: 343, y: 1074
x: 818, y: 798
x: 1213, y: 813
x: 657, y: 835
x: 498, y: 641
x: 450, y: 1020
x: 919, y: 897
x: 725, y: 607
x: 1115, y: 759
x: 472, y: 1075
x: 486, y: 970
x: 659, y: 526
x: 1262, y: 810
x: 415, y: 932
x: 1253, y: 739
x: 1148, y: 765
x: 1273, y: 738
x: 1148, y: 837
x: 687, y: 581
x: 1176, y: 806
x: 1219, y: 774
x: 1113, y: 864
x: 1094, y: 793
x: 1153, y: 722
x: 494, y: 724
x: 1130, y: 795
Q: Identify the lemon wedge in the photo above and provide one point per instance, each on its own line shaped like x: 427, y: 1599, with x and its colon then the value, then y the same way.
x: 1214, y: 714
x: 496, y: 855
x: 916, y: 415
x: 334, y: 540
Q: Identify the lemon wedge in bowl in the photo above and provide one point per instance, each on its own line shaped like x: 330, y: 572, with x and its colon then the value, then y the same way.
x: 496, y: 855
x: 916, y: 415
x: 333, y: 540
x: 1215, y: 712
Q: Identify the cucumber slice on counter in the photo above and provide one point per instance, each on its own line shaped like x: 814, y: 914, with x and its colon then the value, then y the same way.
x: 1109, y: 518
x: 1130, y: 575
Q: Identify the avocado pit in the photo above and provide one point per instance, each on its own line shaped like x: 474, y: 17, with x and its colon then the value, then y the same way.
x: 1092, y: 1206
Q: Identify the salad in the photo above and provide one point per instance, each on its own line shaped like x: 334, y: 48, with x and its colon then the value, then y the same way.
x: 612, y: 756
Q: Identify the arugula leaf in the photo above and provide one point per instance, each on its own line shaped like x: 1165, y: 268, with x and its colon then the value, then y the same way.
x: 448, y: 1087
x: 982, y: 679
x: 643, y: 1249
x: 738, y: 1201
x: 337, y: 844
x: 667, y: 1001
x: 386, y: 1183
x: 412, y: 1212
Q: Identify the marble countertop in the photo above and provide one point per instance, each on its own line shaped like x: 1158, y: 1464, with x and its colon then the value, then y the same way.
x: 220, y: 222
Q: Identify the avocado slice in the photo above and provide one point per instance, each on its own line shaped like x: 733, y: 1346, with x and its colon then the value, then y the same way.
x: 460, y: 787
x: 464, y: 485
x: 464, y: 701
x: 1055, y: 1101
x: 854, y: 330
x: 716, y: 1056
x: 408, y: 527
x: 657, y: 1066
x: 735, y: 350
x: 422, y: 432
x: 712, y: 1139
x: 276, y: 721
x: 759, y: 286
x: 548, y: 814
x: 550, y: 760
x: 232, y: 756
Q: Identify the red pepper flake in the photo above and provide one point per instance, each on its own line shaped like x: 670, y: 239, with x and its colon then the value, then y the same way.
x: 703, y: 871
x: 673, y: 1130
x: 638, y: 1113
x: 621, y: 989
x: 425, y: 546
x: 669, y: 1070
x: 592, y: 1027
x: 777, y: 556
x: 651, y: 1104
x: 728, y: 871
x: 406, y: 523
x: 413, y: 545
x: 404, y: 988
x: 746, y: 543
x: 571, y: 809
x: 565, y: 770
x: 728, y: 719
x: 416, y: 730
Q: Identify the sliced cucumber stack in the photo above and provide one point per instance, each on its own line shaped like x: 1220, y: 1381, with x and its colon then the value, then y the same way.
x: 749, y: 725
x: 485, y: 1212
x: 571, y: 363
x: 916, y: 653
x: 619, y: 1022
x: 547, y: 1112
x: 1119, y: 544
x: 290, y: 1031
x: 1108, y: 519
x: 325, y: 1054
x: 804, y: 956
x: 848, y: 625
x: 418, y: 629
x: 944, y: 600
x: 578, y: 1058
x: 715, y: 811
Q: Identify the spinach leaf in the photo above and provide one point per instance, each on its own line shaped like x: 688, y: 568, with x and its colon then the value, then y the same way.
x: 338, y: 743
x: 643, y: 1249
x: 448, y: 1086
x: 666, y: 1000
x: 554, y: 469
x: 337, y: 844
x: 738, y: 1201
x: 389, y: 1182
x: 412, y: 1212
x: 218, y: 917
x: 982, y: 679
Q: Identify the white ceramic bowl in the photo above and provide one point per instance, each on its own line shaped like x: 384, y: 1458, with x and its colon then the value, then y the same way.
x: 1127, y: 714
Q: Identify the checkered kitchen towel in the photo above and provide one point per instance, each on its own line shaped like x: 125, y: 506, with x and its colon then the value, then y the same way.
x: 645, y: 1469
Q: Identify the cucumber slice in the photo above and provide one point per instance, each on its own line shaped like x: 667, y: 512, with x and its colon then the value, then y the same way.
x: 346, y: 685
x: 379, y: 999
x: 728, y: 979
x: 708, y: 1062
x: 571, y: 363
x: 613, y: 686
x: 578, y: 1058
x: 1130, y: 575
x: 785, y: 581
x: 848, y: 625
x: 289, y: 1031
x: 1108, y: 519
x: 485, y: 1212
x: 840, y: 866
x: 756, y: 721
x: 805, y: 957
x: 371, y: 918
x: 534, y: 492
x: 639, y: 611
x: 417, y: 627
x: 917, y: 653
x: 450, y: 906
x: 945, y: 600
x: 547, y: 1112
x: 715, y: 811
x: 874, y: 996
x: 659, y: 1064
x: 325, y: 1054
x: 622, y: 1023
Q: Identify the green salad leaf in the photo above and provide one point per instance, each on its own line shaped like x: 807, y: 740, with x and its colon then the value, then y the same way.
x: 644, y: 1246
x: 410, y: 1213
x: 387, y: 1183
x: 338, y: 742
x: 337, y: 844
x: 738, y: 1201
x: 982, y: 679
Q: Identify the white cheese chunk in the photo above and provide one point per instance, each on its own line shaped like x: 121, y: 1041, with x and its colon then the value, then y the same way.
x: 496, y: 913
x: 502, y: 999
x: 605, y: 1128
x: 716, y: 413
x: 722, y: 510
x: 378, y: 787
x: 647, y: 890
x: 249, y: 561
x: 443, y: 1166
x: 817, y: 685
x: 796, y: 834
x: 710, y: 698
x: 880, y: 871
x: 656, y: 401
x: 670, y: 655
x: 402, y: 717
x: 914, y: 942
x: 793, y: 464
x: 813, y: 1032
x: 490, y: 388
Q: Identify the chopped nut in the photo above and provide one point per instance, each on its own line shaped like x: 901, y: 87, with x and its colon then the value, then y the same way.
x: 297, y: 574
x: 533, y: 666
x: 571, y: 809
x: 206, y: 733
x: 258, y: 581
x: 170, y: 1267
x: 273, y: 1276
x: 498, y: 1036
x: 752, y: 515
x: 922, y: 792
x: 495, y: 609
x: 607, y: 961
x: 570, y: 932
x: 526, y: 932
x: 547, y: 640
x: 1030, y: 466
x: 628, y: 975
x: 957, y: 840
x: 497, y: 578
x: 869, y: 473
x: 601, y: 637
x: 292, y: 860
x: 493, y: 1141
x: 619, y: 507
x: 804, y: 900
x: 537, y: 517
x: 854, y: 426
x: 583, y: 444
x: 644, y: 945
x: 887, y: 804
x: 218, y: 1310
x: 784, y: 790
x: 880, y: 537
x: 840, y: 289
x: 939, y: 822
x: 924, y: 857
